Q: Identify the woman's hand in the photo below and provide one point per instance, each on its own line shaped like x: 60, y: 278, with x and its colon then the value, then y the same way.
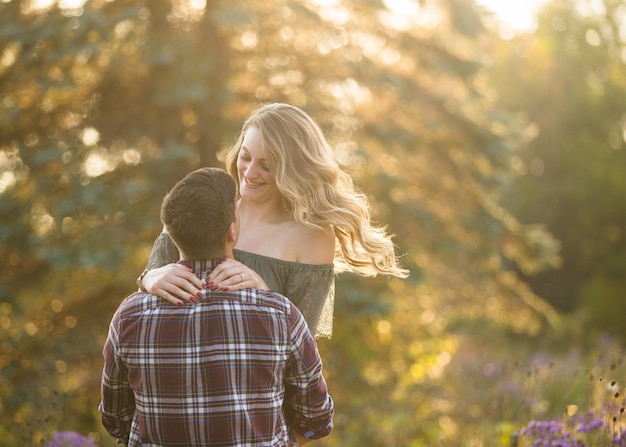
x: 233, y: 275
x: 173, y: 282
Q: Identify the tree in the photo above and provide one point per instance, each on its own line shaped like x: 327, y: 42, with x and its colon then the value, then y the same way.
x: 570, y: 86
x: 105, y: 106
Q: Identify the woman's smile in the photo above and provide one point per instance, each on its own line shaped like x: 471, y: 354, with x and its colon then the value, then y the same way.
x: 251, y: 183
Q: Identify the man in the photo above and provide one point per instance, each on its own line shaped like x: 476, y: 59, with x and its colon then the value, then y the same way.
x: 238, y: 368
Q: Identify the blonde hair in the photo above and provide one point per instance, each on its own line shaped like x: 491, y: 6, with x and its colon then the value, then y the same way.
x: 316, y: 191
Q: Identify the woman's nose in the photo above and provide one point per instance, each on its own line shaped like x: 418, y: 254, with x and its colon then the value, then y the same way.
x: 250, y: 169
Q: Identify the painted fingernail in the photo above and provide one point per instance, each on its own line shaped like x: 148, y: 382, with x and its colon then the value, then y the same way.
x: 199, y: 295
x: 180, y: 303
x: 193, y: 299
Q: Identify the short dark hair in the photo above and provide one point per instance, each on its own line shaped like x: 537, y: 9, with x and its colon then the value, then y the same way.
x: 198, y: 211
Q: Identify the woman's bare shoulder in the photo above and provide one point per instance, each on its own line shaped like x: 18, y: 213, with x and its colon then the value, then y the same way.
x: 315, y: 245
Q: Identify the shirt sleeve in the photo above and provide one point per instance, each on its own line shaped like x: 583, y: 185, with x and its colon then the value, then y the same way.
x: 163, y: 252
x: 309, y: 409
x: 117, y: 406
x: 312, y: 290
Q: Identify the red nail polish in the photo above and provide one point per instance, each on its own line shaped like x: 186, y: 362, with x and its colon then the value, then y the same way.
x: 199, y: 295
x: 193, y: 299
x: 179, y: 304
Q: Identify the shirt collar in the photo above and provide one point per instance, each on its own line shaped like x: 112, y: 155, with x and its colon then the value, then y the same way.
x: 200, y: 267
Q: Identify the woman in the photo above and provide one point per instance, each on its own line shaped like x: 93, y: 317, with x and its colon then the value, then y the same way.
x: 300, y: 220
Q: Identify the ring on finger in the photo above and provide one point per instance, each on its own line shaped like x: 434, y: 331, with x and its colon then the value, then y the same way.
x: 242, y: 276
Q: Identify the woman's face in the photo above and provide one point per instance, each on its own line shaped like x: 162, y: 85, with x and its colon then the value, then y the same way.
x: 255, y: 180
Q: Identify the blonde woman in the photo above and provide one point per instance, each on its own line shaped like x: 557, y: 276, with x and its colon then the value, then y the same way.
x: 301, y: 220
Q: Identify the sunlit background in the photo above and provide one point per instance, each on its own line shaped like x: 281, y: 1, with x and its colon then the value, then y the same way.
x: 490, y: 137
x: 514, y: 16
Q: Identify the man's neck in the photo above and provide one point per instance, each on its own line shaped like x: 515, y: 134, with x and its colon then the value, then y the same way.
x: 199, y: 267
x: 226, y: 253
x: 208, y: 263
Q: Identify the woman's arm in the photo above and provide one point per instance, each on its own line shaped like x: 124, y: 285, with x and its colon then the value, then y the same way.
x: 163, y: 252
x: 164, y: 278
x: 174, y: 282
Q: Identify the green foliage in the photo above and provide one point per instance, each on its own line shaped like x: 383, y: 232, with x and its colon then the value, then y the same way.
x: 104, y: 107
x: 570, y: 85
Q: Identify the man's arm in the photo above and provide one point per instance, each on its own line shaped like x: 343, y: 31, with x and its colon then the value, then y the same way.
x: 308, y: 406
x: 117, y: 405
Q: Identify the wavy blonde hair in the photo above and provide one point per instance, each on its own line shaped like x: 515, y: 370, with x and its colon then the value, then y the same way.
x: 316, y: 191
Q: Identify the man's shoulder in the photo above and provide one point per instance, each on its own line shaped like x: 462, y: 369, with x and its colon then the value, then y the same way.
x: 273, y: 300
x: 137, y: 302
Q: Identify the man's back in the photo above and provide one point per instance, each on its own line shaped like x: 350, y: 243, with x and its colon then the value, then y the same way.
x: 236, y: 369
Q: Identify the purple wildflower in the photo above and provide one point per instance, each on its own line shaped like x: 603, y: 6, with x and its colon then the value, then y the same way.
x: 69, y: 439
x: 586, y: 426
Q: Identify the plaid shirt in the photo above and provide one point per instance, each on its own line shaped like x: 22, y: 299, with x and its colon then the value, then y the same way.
x: 237, y: 369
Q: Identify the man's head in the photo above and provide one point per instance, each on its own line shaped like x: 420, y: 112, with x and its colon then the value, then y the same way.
x: 199, y: 214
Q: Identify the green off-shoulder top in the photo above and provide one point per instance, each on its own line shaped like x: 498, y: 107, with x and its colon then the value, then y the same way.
x: 310, y: 287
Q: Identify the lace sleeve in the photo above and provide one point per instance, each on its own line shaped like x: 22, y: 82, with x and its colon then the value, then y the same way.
x: 313, y: 292
x: 163, y: 252
x: 310, y: 287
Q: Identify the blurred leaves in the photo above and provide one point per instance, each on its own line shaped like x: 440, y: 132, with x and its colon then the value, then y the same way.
x: 571, y: 88
x: 106, y: 105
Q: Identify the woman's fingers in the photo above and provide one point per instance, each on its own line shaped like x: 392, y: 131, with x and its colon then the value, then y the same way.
x: 224, y: 270
x: 179, y: 287
x: 173, y: 282
x: 233, y: 275
x: 172, y: 299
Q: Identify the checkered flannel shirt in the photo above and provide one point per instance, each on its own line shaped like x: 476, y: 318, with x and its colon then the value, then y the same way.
x: 236, y: 369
